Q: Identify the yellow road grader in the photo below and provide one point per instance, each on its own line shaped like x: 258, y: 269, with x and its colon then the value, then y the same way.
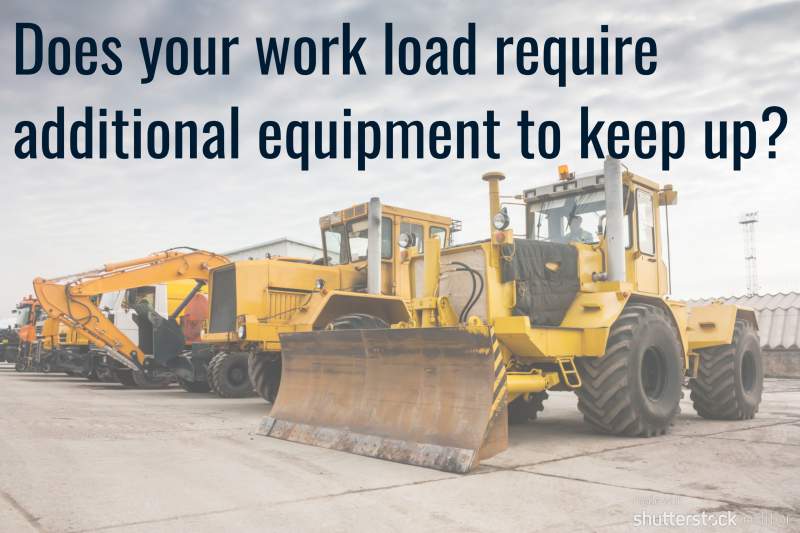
x: 579, y: 304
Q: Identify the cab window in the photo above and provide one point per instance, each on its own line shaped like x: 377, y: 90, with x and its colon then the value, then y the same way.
x: 335, y: 246
x: 139, y: 295
x: 358, y: 239
x: 417, y: 231
x: 441, y: 233
x: 644, y: 217
x: 387, y: 242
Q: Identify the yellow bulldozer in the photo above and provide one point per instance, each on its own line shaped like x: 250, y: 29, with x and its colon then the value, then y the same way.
x: 576, y: 304
x: 253, y: 302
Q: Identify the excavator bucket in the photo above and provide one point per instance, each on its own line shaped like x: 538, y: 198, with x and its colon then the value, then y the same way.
x: 432, y: 397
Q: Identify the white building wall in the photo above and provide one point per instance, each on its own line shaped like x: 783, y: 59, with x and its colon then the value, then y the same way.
x: 279, y: 247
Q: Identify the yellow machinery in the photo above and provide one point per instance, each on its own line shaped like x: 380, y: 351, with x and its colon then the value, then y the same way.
x: 22, y: 340
x: 74, y: 300
x: 578, y: 304
x: 253, y: 302
x: 56, y: 348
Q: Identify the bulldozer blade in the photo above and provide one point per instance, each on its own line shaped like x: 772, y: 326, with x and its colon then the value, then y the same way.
x: 431, y: 397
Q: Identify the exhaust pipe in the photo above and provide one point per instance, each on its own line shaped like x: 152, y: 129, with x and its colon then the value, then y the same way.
x: 615, y: 220
x: 374, y: 246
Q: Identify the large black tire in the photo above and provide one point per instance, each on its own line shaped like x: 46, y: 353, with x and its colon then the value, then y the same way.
x: 635, y: 388
x: 231, y: 377
x: 265, y: 375
x: 194, y: 386
x: 212, y: 387
x: 357, y: 321
x: 730, y: 378
x: 526, y: 407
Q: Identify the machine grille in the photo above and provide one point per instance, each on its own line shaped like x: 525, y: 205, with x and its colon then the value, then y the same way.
x: 223, y: 300
x: 284, y: 304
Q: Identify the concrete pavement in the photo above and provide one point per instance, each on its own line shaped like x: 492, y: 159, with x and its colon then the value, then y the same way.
x: 81, y: 456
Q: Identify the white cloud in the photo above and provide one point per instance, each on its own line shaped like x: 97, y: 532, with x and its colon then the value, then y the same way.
x: 720, y: 60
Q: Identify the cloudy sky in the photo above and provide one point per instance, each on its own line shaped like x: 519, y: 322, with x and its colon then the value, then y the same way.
x: 716, y: 60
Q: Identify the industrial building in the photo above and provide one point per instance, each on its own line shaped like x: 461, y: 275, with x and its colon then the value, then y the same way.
x: 283, y: 247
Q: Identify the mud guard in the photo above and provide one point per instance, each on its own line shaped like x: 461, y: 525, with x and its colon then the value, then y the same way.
x: 431, y: 397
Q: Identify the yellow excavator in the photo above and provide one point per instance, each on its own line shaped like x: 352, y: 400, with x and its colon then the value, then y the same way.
x: 74, y: 300
x: 579, y: 303
x: 253, y: 302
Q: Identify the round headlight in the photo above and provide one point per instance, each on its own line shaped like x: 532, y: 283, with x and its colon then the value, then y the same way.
x: 242, y: 331
x: 501, y: 221
x: 405, y: 240
x: 319, y: 284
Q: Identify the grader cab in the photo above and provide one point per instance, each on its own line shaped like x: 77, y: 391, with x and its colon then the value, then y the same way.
x: 253, y: 302
x: 579, y: 305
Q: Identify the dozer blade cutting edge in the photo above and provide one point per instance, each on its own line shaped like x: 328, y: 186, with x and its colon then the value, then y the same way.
x: 432, y: 397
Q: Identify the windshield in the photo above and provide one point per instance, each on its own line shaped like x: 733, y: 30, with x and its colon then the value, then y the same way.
x: 576, y: 218
x: 24, y: 314
x: 348, y: 243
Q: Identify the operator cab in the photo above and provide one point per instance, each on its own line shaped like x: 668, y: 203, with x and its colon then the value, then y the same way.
x: 345, y: 238
x: 573, y: 210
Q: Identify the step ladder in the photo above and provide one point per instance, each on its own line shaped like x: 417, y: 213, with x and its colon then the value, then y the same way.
x: 570, y: 373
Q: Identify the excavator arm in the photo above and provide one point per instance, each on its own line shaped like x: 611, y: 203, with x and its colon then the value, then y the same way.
x: 71, y: 299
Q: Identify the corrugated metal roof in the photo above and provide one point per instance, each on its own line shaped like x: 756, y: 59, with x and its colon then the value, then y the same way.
x: 778, y: 317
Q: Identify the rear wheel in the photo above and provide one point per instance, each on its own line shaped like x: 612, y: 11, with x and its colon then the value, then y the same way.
x: 265, y: 374
x: 231, y: 379
x: 212, y: 387
x: 730, y: 378
x: 526, y: 407
x: 635, y: 388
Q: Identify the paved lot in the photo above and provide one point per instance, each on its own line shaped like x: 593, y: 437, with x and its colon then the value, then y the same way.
x: 80, y: 456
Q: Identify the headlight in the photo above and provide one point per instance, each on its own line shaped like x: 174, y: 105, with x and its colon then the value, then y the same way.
x: 406, y: 240
x: 242, y: 331
x: 319, y: 284
x: 501, y: 220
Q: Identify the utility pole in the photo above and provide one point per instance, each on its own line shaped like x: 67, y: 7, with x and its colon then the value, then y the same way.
x: 748, y: 223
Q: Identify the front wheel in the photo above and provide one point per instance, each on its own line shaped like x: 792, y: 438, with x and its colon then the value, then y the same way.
x: 730, y: 378
x: 230, y: 375
x: 635, y: 388
x: 265, y: 374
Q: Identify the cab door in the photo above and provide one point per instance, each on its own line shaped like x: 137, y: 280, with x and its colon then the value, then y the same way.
x: 645, y: 262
